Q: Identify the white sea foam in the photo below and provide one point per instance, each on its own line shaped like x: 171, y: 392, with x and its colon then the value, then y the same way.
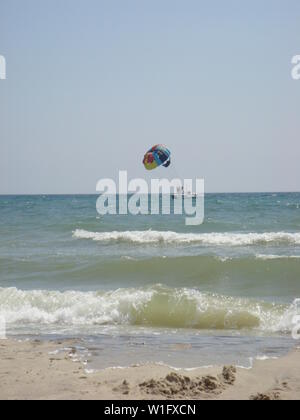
x: 154, y: 306
x: 70, y: 308
x: 264, y: 357
x: 128, y: 258
x: 168, y: 237
x: 277, y: 257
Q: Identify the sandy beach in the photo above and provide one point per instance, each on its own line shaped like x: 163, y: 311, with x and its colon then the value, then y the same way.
x: 50, y: 370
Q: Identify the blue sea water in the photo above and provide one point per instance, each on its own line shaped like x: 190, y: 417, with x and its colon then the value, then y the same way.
x: 139, y: 289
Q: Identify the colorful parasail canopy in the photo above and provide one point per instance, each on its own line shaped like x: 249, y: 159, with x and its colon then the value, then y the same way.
x: 159, y: 155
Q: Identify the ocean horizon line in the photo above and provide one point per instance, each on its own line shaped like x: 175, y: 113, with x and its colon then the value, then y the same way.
x: 97, y: 194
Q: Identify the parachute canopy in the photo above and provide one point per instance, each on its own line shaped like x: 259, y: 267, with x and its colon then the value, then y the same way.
x: 159, y: 155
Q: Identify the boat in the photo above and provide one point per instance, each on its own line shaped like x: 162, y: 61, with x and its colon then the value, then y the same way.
x: 181, y: 194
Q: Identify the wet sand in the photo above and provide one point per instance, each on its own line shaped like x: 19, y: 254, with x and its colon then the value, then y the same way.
x: 50, y: 370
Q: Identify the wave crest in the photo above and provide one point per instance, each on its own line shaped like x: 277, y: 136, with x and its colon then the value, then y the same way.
x: 155, y: 306
x: 169, y: 237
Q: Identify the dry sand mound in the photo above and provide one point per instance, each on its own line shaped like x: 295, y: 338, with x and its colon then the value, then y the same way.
x: 175, y: 385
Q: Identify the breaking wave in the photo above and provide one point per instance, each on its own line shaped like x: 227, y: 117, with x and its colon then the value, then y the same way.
x: 168, y: 237
x: 155, y: 306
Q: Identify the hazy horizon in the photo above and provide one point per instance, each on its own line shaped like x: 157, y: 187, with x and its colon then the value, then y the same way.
x: 97, y: 194
x: 92, y: 85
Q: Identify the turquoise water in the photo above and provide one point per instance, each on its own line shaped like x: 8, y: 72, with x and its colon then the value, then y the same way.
x: 137, y: 289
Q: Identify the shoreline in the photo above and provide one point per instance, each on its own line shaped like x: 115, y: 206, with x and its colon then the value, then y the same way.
x: 50, y: 370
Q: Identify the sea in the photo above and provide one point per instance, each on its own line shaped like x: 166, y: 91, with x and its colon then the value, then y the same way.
x: 140, y: 289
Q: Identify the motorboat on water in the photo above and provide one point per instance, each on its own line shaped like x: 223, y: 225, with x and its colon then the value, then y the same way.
x: 181, y: 194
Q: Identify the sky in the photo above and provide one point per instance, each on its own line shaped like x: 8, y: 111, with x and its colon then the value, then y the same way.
x: 93, y: 84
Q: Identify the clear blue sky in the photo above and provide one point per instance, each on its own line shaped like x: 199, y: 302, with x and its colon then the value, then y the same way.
x: 92, y: 84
